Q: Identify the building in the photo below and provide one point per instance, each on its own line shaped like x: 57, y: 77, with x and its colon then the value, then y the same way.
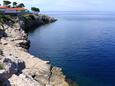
x: 10, y: 10
x: 2, y: 9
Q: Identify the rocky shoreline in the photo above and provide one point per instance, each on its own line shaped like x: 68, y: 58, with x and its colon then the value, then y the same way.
x: 17, y: 66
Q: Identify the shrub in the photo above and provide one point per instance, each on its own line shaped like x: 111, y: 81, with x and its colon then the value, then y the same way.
x: 4, y: 18
x: 29, y: 17
x: 32, y: 17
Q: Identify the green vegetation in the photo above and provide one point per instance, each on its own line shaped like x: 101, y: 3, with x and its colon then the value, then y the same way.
x: 6, y: 3
x: 21, y: 5
x: 15, y: 4
x: 5, y: 20
x: 1, y: 66
x: 29, y: 17
x: 34, y: 9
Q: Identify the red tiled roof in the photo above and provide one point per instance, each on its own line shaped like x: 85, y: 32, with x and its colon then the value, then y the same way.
x: 18, y: 9
x: 3, y: 7
x: 8, y: 8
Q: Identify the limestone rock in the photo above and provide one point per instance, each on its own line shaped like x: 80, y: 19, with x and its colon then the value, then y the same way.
x: 20, y: 67
x: 57, y: 78
x: 12, y: 65
x: 23, y: 80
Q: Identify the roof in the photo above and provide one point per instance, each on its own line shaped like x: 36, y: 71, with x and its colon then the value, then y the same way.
x: 18, y: 9
x: 3, y: 7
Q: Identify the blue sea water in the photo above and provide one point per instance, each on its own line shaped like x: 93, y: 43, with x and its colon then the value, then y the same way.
x: 82, y: 43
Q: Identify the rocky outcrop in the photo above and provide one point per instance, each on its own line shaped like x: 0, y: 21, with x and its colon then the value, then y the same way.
x: 33, y: 21
x: 20, y: 67
x: 12, y: 65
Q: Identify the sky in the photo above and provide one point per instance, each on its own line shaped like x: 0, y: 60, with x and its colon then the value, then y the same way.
x: 70, y: 5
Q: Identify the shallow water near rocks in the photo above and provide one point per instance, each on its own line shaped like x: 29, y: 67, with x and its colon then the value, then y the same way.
x: 82, y: 43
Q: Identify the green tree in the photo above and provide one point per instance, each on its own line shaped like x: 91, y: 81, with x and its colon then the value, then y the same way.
x: 6, y: 3
x: 34, y: 9
x: 15, y: 4
x: 21, y: 5
x: 37, y: 10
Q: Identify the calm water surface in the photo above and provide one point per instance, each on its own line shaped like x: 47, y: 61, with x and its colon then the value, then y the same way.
x: 82, y: 43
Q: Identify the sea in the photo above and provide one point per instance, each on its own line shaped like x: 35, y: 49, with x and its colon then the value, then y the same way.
x: 81, y: 43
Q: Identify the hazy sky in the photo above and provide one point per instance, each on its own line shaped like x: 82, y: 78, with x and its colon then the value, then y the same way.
x: 71, y: 5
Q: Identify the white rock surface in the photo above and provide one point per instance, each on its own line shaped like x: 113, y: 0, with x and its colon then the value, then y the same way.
x: 22, y: 68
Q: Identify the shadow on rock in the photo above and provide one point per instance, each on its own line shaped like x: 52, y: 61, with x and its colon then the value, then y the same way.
x: 12, y: 65
x: 2, y: 33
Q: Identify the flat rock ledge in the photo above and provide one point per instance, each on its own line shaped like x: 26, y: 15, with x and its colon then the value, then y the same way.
x: 18, y: 67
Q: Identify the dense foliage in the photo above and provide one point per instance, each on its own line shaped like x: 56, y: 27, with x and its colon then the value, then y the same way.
x: 35, y: 9
x: 6, y: 2
x: 21, y: 5
x: 5, y: 20
x: 15, y: 4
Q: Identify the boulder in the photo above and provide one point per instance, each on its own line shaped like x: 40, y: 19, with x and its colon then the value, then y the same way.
x: 12, y: 65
